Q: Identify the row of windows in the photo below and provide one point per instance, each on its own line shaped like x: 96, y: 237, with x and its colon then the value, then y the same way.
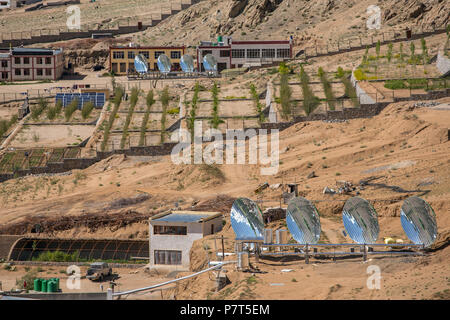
x: 26, y: 60
x: 177, y: 230
x: 122, y: 67
x: 168, y: 257
x: 146, y: 54
x: 27, y: 72
x: 252, y: 53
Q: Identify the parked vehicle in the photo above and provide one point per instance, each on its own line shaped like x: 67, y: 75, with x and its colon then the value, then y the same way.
x: 98, y: 271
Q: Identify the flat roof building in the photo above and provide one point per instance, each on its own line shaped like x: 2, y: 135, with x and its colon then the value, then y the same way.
x: 231, y: 53
x: 172, y: 235
x: 121, y: 59
x: 17, y: 64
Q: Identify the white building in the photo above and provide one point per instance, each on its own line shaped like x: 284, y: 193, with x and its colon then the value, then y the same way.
x: 6, y: 4
x: 236, y: 54
x: 172, y: 235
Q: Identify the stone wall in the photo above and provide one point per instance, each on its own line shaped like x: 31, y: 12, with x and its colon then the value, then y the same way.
x: 443, y: 64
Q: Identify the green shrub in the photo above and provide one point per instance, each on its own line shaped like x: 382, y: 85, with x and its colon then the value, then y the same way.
x: 215, y: 119
x: 350, y: 91
x: 193, y: 111
x: 118, y: 94
x: 150, y: 101
x: 331, y: 99
x: 87, y: 109
x: 389, y: 53
x: 257, y: 104
x: 395, y: 84
x: 70, y: 109
x: 37, y: 110
x: 310, y: 101
x: 57, y: 256
x: 133, y: 101
x: 164, y: 98
x: 360, y: 75
x: 175, y: 110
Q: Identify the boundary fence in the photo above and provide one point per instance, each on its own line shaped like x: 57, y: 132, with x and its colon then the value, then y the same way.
x: 122, y: 26
x: 360, y: 43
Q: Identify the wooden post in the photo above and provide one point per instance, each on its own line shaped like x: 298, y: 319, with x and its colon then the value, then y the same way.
x: 223, y: 250
x: 307, y: 254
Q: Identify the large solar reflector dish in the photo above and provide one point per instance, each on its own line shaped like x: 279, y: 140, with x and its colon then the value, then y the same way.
x: 140, y: 64
x: 246, y: 220
x: 187, y: 63
x: 419, y: 221
x: 360, y: 221
x: 303, y: 221
x: 164, y: 64
x: 210, y: 63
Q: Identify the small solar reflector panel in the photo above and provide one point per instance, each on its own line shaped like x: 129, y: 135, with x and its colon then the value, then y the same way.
x: 360, y: 221
x: 302, y: 219
x: 246, y: 220
x: 419, y: 221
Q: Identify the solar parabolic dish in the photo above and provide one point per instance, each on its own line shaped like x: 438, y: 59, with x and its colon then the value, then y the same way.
x: 209, y: 62
x: 246, y: 220
x: 419, y: 221
x: 164, y: 64
x: 187, y: 63
x: 140, y: 64
x: 360, y: 221
x: 302, y: 219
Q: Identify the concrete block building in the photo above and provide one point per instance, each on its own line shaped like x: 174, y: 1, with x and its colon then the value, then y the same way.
x: 172, y: 235
x: 121, y: 59
x: 231, y: 53
x: 19, y: 64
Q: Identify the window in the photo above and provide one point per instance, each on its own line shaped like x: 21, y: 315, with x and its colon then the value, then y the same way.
x: 205, y: 52
x: 17, y: 72
x: 283, y: 53
x: 131, y: 54
x: 39, y: 72
x: 253, y: 53
x: 48, y: 72
x: 145, y: 54
x: 118, y: 55
x: 224, y: 53
x: 175, y: 54
x: 26, y: 72
x: 167, y: 257
x: 268, y: 53
x: 4, y: 75
x: 158, y: 53
x: 39, y: 61
x: 114, y: 67
x: 17, y: 60
x: 238, y: 53
x: 131, y: 67
x: 4, y: 64
x: 48, y: 60
x: 155, y: 66
x: 177, y: 230
x: 123, y: 67
x: 26, y: 60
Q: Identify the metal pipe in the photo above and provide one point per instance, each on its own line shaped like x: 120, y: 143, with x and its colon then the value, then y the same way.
x: 172, y: 281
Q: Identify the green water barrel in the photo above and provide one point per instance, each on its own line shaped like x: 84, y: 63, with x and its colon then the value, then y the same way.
x: 51, y: 286
x: 219, y: 39
x: 37, y: 284
x: 44, y: 285
x: 57, y: 283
